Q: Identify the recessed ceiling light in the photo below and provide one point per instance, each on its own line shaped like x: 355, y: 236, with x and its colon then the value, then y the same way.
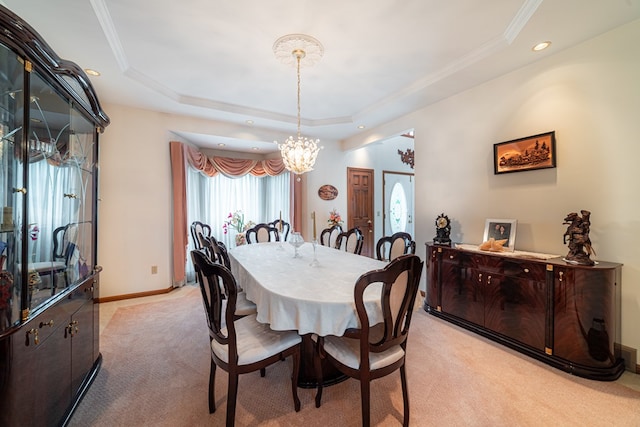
x: 361, y: 127
x: 91, y: 72
x: 221, y: 144
x: 541, y: 46
x: 249, y: 122
x: 255, y: 148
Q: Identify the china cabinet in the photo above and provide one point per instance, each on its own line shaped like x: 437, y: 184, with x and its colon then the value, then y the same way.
x: 563, y: 314
x: 50, y: 120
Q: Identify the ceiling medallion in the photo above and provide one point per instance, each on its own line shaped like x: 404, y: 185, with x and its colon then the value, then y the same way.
x: 298, y: 154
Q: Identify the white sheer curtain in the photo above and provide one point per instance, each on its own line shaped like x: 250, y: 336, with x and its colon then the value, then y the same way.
x: 48, y: 208
x: 211, y: 200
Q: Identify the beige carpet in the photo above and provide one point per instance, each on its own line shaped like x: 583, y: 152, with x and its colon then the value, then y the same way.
x: 156, y: 366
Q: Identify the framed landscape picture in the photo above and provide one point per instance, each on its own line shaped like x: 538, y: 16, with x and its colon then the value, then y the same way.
x: 532, y: 152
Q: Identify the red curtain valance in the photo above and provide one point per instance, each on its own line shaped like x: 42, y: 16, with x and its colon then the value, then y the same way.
x: 227, y: 166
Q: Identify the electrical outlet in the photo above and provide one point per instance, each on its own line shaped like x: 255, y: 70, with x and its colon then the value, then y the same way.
x: 154, y: 269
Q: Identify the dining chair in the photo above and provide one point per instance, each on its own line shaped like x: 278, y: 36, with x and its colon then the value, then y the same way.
x: 198, y: 228
x: 63, y: 249
x: 350, y: 241
x: 389, y: 248
x: 372, y: 352
x: 283, y: 228
x: 262, y: 233
x: 328, y: 235
x: 216, y: 251
x: 239, y: 346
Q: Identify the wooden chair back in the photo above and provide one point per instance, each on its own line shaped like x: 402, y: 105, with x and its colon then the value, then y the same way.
x: 216, y: 251
x: 262, y: 233
x: 400, y: 280
x: 216, y: 285
x: 389, y: 248
x: 283, y: 228
x: 197, y: 228
x: 329, y: 235
x: 350, y: 241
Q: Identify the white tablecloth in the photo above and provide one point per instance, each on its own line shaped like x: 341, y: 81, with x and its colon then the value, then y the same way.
x: 292, y: 295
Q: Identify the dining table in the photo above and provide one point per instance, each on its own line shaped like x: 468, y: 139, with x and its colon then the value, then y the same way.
x: 312, y: 293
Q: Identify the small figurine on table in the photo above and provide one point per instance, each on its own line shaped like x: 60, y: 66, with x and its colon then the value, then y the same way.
x: 578, y: 234
x: 443, y: 229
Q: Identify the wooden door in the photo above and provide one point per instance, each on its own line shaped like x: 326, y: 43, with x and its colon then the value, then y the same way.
x: 360, y: 207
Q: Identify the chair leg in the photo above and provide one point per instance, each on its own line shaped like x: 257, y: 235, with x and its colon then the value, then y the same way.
x: 232, y: 393
x: 405, y: 396
x: 365, y: 402
x: 317, y: 362
x: 294, y: 379
x: 212, y: 386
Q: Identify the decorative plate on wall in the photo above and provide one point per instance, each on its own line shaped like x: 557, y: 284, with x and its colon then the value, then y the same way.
x: 328, y: 192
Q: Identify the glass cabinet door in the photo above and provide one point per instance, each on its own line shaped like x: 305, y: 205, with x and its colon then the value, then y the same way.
x: 61, y: 144
x: 48, y: 207
x: 12, y: 186
x: 80, y: 159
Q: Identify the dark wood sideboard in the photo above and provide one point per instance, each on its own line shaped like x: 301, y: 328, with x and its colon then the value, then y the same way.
x: 565, y: 315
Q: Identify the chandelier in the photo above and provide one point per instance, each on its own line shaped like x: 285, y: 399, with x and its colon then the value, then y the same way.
x: 298, y: 154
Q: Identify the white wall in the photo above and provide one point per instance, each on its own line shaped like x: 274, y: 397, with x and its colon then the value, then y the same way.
x: 590, y: 95
x: 134, y: 208
x: 332, y: 169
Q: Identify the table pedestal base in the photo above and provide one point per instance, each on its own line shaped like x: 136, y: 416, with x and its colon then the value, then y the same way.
x: 307, y: 375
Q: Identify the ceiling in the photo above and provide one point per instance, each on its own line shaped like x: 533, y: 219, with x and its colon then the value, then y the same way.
x: 382, y: 59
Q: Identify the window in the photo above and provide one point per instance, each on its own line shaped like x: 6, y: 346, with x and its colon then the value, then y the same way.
x: 211, y: 200
x: 398, y: 209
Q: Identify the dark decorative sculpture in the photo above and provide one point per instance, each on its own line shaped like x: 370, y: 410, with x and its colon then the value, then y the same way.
x: 578, y: 234
x: 407, y: 157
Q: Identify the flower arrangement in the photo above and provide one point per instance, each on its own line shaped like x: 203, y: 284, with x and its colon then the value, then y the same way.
x: 334, y: 218
x: 235, y: 221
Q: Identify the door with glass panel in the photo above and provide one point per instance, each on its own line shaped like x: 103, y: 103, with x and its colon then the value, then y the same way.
x: 398, y: 193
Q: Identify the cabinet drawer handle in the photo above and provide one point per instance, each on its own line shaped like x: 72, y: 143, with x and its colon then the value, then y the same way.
x: 20, y: 190
x: 560, y: 279
x: 73, y: 328
x: 450, y: 256
x: 526, y: 270
x: 33, y: 332
x: 49, y: 324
